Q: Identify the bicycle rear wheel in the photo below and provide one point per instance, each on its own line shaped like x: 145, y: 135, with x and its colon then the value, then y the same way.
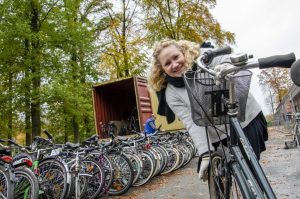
x: 26, y: 185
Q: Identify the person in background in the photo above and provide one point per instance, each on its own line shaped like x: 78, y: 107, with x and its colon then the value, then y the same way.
x: 150, y: 127
x: 170, y: 60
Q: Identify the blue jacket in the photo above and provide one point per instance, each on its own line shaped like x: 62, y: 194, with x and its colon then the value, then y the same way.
x: 150, y: 126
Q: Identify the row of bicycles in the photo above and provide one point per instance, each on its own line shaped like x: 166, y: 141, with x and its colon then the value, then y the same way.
x: 91, y: 169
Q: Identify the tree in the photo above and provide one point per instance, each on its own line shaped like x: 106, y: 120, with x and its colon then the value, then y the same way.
x: 124, y: 52
x: 183, y: 19
x: 51, y: 51
x: 70, y: 92
x: 48, y: 46
x: 277, y: 79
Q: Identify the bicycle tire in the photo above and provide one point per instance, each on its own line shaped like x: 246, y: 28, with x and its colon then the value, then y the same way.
x: 137, y: 165
x: 6, y: 185
x: 173, y: 160
x: 148, y: 169
x: 164, y: 156
x: 190, y: 152
x: 218, y: 178
x: 107, y: 165
x: 50, y: 184
x: 157, y: 159
x: 94, y: 183
x: 26, y: 185
x: 183, y: 154
x: 123, y: 168
x: 296, y: 134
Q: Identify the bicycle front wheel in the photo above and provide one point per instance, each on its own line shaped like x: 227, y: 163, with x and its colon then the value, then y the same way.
x: 123, y: 174
x: 297, y: 134
x: 218, y: 178
x: 92, y: 174
x: 6, y: 186
x: 52, y: 176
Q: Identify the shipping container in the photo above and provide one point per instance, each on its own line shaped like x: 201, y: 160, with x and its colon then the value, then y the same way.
x: 117, y: 100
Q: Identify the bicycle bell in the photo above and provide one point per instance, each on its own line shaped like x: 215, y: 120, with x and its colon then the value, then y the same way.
x: 239, y: 59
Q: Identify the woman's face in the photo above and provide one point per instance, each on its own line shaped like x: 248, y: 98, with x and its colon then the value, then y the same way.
x: 172, y: 61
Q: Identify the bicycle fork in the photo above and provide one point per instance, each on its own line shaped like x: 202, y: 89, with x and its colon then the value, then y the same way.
x: 78, y: 175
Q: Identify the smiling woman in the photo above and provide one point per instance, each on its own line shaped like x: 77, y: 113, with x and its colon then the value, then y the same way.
x: 189, y: 50
x: 171, y: 59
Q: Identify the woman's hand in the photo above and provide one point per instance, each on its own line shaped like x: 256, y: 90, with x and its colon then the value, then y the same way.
x: 203, y: 172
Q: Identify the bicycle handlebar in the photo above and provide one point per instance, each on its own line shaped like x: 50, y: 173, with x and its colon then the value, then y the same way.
x: 297, y: 115
x: 285, y: 61
x: 209, y: 55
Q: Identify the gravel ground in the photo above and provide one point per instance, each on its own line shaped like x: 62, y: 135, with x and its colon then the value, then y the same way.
x: 282, y: 168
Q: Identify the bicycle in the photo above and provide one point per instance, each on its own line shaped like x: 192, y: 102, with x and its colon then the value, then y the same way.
x: 53, y: 176
x: 133, y: 121
x: 6, y: 175
x: 234, y: 172
x: 296, y: 127
x: 24, y: 182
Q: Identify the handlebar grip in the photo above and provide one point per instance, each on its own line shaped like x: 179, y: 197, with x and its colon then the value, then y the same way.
x: 221, y: 51
x: 295, y: 72
x: 282, y: 61
x: 209, y: 55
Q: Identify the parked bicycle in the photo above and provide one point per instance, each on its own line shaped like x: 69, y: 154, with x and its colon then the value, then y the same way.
x: 91, y: 169
x: 234, y: 171
x: 18, y: 181
x: 296, y: 127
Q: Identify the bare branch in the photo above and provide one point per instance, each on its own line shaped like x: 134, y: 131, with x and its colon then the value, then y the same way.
x: 47, y: 13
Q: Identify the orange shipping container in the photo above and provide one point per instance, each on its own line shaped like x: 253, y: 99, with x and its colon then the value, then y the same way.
x: 115, y: 100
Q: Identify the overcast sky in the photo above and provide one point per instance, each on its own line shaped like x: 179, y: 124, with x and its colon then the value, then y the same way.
x: 262, y: 28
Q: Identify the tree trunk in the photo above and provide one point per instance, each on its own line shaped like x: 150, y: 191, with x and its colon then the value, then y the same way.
x: 123, y: 42
x: 28, y: 138
x: 35, y: 73
x: 65, y: 124
x: 75, y: 129
x: 87, y: 126
x: 10, y: 109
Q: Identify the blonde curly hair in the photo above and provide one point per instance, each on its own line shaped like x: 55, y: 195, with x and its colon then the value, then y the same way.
x: 190, y: 51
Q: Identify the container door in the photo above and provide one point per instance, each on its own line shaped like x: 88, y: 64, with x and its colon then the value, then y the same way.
x: 143, y: 100
x: 162, y: 121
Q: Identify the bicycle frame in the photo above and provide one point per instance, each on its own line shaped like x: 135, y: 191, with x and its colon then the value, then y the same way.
x: 74, y: 163
x: 252, y: 182
x: 246, y: 178
x: 243, y: 162
x: 296, y: 126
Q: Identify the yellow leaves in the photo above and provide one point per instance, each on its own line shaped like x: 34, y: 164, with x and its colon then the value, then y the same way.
x: 278, y: 79
x: 185, y: 19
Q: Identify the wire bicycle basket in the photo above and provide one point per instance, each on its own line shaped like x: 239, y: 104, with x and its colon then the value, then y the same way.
x: 207, y: 98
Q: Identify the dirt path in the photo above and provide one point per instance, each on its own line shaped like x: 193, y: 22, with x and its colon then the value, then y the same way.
x: 281, y: 166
